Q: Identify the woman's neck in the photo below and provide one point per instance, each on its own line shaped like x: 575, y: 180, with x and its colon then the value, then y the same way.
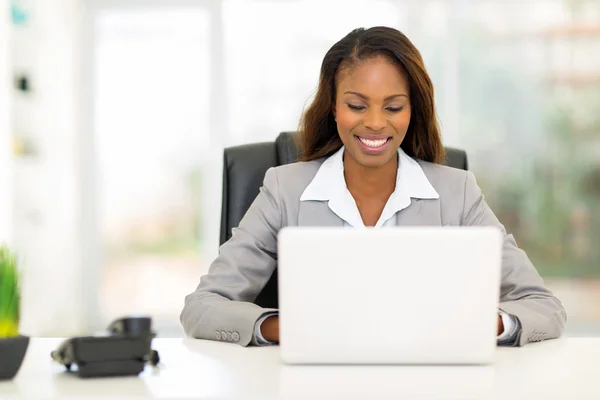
x: 370, y: 182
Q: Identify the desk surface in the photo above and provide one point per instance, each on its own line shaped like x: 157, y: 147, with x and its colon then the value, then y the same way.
x: 557, y: 369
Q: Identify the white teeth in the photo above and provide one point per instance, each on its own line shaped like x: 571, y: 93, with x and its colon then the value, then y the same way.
x: 373, y: 143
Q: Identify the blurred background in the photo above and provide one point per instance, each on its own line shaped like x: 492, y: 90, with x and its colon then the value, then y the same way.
x: 114, y: 115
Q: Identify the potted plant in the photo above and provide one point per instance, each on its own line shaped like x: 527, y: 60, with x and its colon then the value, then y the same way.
x: 13, y: 346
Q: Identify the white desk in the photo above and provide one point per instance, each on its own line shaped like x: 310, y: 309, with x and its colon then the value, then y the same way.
x: 559, y: 369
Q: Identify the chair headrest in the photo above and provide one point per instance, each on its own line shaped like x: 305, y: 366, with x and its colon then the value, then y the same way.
x: 287, y: 151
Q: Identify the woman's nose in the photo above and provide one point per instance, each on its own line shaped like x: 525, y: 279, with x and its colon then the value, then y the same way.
x: 375, y: 120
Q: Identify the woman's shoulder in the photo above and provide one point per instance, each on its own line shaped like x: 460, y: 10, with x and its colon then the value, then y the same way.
x: 296, y: 176
x: 301, y: 167
x: 443, y: 178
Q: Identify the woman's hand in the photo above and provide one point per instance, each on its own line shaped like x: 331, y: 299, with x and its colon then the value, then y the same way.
x: 270, y: 329
x: 500, y: 325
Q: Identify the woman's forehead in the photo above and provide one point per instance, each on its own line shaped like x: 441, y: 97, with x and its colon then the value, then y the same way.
x: 377, y: 75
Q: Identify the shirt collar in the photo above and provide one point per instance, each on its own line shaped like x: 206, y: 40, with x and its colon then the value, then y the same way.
x: 329, y: 182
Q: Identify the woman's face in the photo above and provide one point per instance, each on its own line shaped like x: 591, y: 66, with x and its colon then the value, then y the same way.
x: 372, y: 111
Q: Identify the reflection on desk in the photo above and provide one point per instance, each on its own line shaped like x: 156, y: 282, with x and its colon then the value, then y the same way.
x: 557, y: 369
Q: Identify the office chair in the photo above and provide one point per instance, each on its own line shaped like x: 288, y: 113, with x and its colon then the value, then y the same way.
x: 244, y: 169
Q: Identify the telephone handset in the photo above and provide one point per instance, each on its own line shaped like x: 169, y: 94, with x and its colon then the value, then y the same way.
x: 124, y: 350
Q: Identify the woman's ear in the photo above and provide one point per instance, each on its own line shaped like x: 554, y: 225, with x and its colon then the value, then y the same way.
x: 333, y: 111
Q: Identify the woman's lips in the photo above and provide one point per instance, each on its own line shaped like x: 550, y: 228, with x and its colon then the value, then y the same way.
x: 373, y: 144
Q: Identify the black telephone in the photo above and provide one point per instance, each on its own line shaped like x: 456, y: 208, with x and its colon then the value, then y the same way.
x: 123, y: 351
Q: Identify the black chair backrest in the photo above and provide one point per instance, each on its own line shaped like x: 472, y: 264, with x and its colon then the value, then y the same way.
x: 244, y: 169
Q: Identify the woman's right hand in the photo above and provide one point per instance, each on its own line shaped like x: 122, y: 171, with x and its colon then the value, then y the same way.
x: 270, y: 329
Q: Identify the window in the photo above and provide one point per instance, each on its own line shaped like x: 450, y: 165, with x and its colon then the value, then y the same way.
x: 152, y: 109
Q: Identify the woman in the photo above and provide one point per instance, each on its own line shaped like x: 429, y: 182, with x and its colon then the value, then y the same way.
x: 371, y: 146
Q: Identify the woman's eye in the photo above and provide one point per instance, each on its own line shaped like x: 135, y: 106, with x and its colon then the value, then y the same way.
x: 395, y: 109
x: 357, y: 108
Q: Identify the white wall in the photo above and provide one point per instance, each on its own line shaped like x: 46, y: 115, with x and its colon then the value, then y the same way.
x: 47, y: 205
x: 5, y: 143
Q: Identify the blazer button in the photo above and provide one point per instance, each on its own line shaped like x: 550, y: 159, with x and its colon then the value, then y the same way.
x: 229, y: 337
x: 218, y: 335
x: 236, y: 337
x: 223, y: 335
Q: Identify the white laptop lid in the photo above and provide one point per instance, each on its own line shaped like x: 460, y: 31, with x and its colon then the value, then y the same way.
x: 422, y: 295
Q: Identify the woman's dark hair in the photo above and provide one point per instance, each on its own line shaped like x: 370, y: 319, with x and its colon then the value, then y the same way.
x: 318, y: 136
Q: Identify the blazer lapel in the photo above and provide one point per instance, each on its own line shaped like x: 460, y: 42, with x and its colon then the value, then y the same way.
x: 317, y: 213
x: 420, y: 212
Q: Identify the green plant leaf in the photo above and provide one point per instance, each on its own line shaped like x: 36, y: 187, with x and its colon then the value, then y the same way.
x: 10, y: 293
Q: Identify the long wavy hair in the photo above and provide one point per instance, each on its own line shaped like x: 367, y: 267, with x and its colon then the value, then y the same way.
x: 318, y: 136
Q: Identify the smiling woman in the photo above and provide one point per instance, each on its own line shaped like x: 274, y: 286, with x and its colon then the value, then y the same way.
x: 367, y: 116
x: 372, y: 155
x: 374, y: 97
x: 380, y: 90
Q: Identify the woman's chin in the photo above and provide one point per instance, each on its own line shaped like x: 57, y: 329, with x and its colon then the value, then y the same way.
x: 368, y: 160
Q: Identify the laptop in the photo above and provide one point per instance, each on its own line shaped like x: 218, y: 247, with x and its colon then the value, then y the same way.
x: 409, y: 295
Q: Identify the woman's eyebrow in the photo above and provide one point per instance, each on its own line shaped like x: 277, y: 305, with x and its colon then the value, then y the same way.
x: 367, y: 98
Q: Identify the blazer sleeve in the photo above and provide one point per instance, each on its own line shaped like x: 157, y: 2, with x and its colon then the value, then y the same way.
x: 522, y: 291
x: 223, y: 301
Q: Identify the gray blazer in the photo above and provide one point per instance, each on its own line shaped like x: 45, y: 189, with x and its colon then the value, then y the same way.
x: 222, y: 308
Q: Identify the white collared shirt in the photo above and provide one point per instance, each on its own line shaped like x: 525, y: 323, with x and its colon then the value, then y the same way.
x: 329, y: 185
